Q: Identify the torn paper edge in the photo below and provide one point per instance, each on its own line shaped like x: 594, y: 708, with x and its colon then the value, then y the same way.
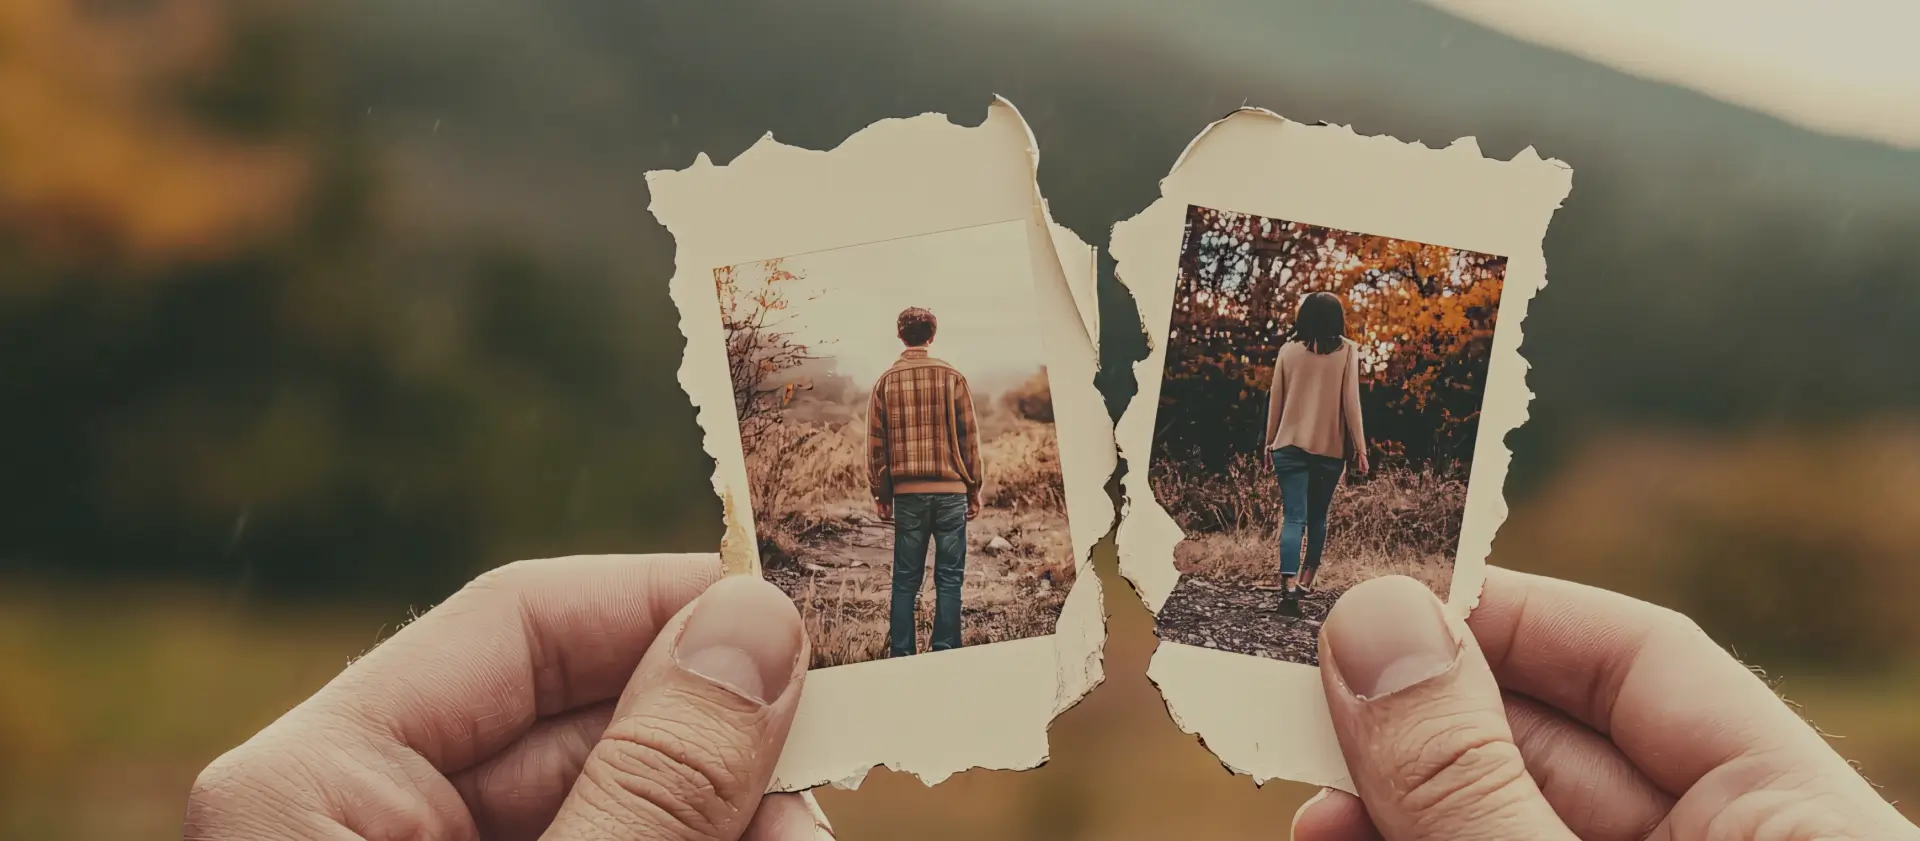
x: 1081, y: 262
x: 939, y: 713
x: 1263, y: 717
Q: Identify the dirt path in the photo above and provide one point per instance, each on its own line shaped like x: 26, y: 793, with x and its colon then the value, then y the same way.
x: 1244, y: 619
x: 864, y: 552
x: 843, y: 579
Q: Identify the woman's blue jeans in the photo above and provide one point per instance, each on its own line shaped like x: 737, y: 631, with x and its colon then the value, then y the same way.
x: 1307, y: 482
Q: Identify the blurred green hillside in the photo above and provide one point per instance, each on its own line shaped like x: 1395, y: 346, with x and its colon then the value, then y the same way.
x: 310, y: 311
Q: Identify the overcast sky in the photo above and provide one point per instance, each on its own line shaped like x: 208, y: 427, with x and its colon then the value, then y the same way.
x: 1845, y: 67
x: 1848, y: 67
x: 977, y: 281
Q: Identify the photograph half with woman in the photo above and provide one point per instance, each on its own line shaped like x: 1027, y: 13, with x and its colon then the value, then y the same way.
x: 1318, y: 413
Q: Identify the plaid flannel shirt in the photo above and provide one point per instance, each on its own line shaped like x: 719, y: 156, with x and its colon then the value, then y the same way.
x: 922, y: 436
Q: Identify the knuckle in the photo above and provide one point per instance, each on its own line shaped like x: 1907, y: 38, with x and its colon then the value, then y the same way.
x: 216, y: 787
x: 665, y: 779
x: 225, y: 792
x: 1459, y: 768
x: 510, y: 577
x: 1794, y: 805
x: 507, y: 584
x: 1673, y: 631
x: 1770, y: 815
x: 1675, y: 625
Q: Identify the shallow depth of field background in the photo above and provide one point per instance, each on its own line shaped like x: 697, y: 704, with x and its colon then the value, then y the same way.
x: 310, y: 311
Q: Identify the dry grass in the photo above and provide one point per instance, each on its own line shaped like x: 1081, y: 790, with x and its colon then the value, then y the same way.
x: 807, y: 473
x: 1023, y: 469
x: 1010, y: 594
x: 1251, y: 558
x: 820, y: 543
x: 1395, y: 521
x: 846, y: 617
x: 801, y: 472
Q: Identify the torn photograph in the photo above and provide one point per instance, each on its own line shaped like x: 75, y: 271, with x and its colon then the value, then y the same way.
x: 1318, y: 410
x: 897, y: 425
x: 1334, y: 330
x: 891, y: 359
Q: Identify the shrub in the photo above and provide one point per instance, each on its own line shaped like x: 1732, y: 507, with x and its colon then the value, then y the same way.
x: 1023, y: 468
x: 1031, y: 400
x: 806, y: 479
x: 1397, y: 509
x: 797, y: 475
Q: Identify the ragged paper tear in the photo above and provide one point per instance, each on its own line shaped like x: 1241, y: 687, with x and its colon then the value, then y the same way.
x: 1335, y: 328
x: 890, y: 349
x: 1081, y: 262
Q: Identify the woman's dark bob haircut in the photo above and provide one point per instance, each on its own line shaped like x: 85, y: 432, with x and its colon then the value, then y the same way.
x: 1322, y: 322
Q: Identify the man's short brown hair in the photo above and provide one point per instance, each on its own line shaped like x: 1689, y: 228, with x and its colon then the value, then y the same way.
x: 917, y: 326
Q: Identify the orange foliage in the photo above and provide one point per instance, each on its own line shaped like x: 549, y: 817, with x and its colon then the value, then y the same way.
x: 1422, y: 314
x: 94, y: 157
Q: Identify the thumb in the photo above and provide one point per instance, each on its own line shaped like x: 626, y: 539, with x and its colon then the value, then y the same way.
x: 1421, y: 723
x: 693, y: 739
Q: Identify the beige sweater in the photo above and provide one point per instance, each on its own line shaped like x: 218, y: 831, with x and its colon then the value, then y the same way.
x: 1314, y: 403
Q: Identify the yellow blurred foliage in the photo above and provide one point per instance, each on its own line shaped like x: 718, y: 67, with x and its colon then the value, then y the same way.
x: 97, y: 161
x: 1799, y: 546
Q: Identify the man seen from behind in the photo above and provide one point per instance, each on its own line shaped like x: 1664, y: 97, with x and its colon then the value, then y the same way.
x: 923, y: 465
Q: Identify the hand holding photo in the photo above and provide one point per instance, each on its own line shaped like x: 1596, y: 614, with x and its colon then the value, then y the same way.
x: 1334, y: 327
x: 1316, y: 422
x: 890, y: 360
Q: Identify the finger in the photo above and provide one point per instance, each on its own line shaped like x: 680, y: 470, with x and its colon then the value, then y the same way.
x: 1638, y: 674
x: 522, y: 642
x: 514, y: 794
x: 1421, y: 722
x: 789, y: 817
x: 468, y: 678
x: 693, y: 740
x: 1590, y: 785
x: 1594, y: 789
x: 1333, y: 815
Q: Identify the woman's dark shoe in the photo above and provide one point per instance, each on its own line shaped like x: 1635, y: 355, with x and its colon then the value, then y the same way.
x: 1290, y: 602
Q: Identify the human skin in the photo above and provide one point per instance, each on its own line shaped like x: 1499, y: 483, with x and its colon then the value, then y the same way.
x: 1560, y: 711
x: 633, y: 697
x: 590, y: 698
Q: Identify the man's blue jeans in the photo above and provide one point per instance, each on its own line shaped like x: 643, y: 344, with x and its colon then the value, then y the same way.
x: 917, y: 520
x: 1307, y: 482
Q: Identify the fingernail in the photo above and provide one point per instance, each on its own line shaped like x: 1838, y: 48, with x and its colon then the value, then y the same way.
x: 1293, y: 830
x: 821, y: 826
x: 744, y: 635
x: 1388, y: 634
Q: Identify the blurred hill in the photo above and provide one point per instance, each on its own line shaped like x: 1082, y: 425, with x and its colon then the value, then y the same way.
x: 451, y: 345
x: 1713, y: 266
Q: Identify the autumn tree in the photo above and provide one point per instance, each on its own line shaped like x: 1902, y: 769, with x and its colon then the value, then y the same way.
x: 754, y: 308
x: 1422, y: 315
